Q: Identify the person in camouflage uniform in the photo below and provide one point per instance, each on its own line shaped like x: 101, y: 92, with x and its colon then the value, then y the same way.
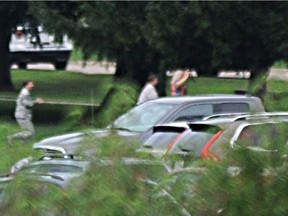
x: 23, y: 112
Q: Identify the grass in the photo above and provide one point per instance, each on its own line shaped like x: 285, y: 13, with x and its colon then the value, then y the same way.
x: 60, y: 85
x: 212, y: 85
x: 10, y: 154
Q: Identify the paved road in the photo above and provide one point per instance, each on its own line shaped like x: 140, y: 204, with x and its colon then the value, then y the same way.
x: 109, y: 68
x: 89, y: 68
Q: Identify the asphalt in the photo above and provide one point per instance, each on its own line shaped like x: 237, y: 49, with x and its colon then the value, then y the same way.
x: 78, y: 67
x: 109, y: 68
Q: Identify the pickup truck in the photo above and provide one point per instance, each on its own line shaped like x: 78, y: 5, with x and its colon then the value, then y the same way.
x: 33, y: 45
x: 137, y: 124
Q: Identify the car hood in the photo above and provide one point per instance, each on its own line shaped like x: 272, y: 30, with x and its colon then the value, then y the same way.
x: 70, y: 143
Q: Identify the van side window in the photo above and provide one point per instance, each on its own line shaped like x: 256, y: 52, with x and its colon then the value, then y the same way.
x: 230, y: 108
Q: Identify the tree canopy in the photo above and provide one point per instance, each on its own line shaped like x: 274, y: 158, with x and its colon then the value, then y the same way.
x: 10, y: 15
x: 152, y: 37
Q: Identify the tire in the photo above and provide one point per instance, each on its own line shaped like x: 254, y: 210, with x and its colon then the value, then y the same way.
x: 60, y: 65
x: 22, y: 65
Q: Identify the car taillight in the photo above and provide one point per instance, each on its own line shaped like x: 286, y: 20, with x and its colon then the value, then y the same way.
x: 205, y: 153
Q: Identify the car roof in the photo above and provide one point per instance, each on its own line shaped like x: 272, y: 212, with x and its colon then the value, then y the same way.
x: 199, y: 98
x: 224, y: 121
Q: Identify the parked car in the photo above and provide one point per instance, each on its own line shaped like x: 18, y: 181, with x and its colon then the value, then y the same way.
x: 263, y: 135
x: 60, y: 170
x: 56, y: 169
x: 212, y: 137
x: 266, y: 133
x: 177, y: 143
x: 137, y: 124
x: 34, y: 45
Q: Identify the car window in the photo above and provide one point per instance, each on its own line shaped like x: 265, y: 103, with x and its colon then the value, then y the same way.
x: 143, y: 117
x: 267, y: 136
x: 197, y: 112
x: 230, y: 108
x: 51, y: 168
x: 194, y: 112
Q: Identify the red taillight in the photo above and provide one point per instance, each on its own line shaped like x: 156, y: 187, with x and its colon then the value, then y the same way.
x: 205, y: 153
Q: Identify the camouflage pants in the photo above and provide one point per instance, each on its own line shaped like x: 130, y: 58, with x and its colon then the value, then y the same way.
x: 27, y: 129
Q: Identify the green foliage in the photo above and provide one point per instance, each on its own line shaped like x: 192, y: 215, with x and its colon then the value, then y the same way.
x: 280, y: 64
x: 77, y: 55
x: 90, y: 26
x: 121, y: 97
x: 154, y: 36
x: 110, y: 187
x: 28, y: 197
x: 251, y: 186
x: 257, y: 190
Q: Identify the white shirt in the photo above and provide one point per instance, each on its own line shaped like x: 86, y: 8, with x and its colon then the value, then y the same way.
x: 148, y: 93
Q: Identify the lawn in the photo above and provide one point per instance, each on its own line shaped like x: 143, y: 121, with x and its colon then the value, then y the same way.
x: 65, y: 86
x: 62, y: 85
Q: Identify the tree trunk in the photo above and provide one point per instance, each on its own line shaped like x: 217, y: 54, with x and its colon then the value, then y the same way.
x: 121, y: 67
x: 5, y: 77
x: 141, y: 67
x: 163, y: 79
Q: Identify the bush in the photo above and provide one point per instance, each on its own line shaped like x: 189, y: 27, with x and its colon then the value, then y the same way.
x: 120, y: 98
x: 110, y: 187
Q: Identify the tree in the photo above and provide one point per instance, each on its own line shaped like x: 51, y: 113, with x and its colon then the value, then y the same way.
x: 252, y: 37
x: 111, y: 30
x: 213, y: 36
x: 174, y: 29
x: 144, y: 37
x: 11, y: 13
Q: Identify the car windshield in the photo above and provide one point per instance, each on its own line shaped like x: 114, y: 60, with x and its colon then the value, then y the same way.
x: 142, y: 117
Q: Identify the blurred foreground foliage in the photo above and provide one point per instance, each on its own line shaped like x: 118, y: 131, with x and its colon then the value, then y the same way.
x: 110, y: 187
x: 251, y: 183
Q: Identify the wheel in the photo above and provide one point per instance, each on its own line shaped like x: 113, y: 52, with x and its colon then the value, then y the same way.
x: 22, y: 65
x: 60, y: 65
